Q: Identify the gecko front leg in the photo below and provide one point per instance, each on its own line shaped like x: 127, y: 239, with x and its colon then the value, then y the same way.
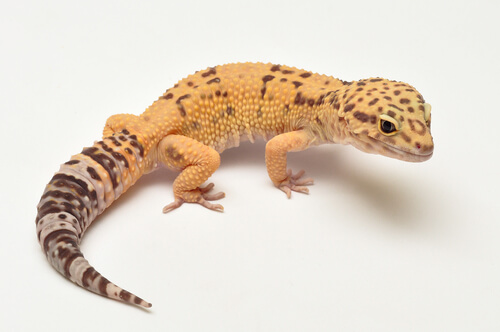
x: 276, y: 150
x: 197, y: 163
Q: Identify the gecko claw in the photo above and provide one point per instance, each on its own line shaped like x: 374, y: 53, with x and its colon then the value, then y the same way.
x: 294, y: 183
x: 200, y: 196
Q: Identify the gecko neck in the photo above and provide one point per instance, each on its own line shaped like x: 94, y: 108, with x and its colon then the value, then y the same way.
x: 330, y: 126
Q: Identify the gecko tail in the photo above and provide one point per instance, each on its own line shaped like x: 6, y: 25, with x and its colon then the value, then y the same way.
x: 81, y: 190
x: 59, y: 239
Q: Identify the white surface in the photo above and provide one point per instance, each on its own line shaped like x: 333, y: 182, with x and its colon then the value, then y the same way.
x: 378, y: 245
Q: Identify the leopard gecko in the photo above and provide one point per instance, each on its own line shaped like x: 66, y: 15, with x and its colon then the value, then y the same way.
x: 202, y: 115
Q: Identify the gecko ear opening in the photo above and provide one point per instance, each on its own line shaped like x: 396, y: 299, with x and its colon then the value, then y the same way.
x: 427, y: 113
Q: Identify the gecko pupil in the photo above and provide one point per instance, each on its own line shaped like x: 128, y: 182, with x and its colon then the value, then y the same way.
x: 387, y: 126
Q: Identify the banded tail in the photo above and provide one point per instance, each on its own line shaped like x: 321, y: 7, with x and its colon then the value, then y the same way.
x: 82, y: 189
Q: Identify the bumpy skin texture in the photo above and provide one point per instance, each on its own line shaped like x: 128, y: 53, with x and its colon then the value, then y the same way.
x: 203, y: 115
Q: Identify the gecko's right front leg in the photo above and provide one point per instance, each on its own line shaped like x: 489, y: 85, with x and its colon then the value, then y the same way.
x: 276, y: 150
x: 197, y: 163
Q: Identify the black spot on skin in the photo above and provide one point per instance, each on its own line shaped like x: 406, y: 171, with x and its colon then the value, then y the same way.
x: 399, y: 109
x: 388, y: 98
x: 114, y: 141
x: 349, y: 107
x: 118, y: 156
x: 176, y: 85
x: 93, y: 174
x: 305, y: 75
x: 62, y: 216
x: 214, y: 80
x: 361, y: 84
x: 360, y: 100
x: 373, y: 102
x: 178, y: 101
x: 218, y: 93
x: 168, y: 96
x: 173, y: 154
x: 224, y: 94
x: 182, y: 110
x: 405, y: 137
x: 128, y: 150
x: 211, y: 71
x: 411, y: 109
x: 310, y: 102
x: 391, y: 114
x: 190, y: 84
x: 318, y: 121
x: 375, y: 80
x: 299, y: 100
x: 327, y: 82
x: 359, y: 89
x: 103, y: 284
x: 138, y: 146
x: 267, y: 78
x: 287, y: 72
x: 125, y: 296
x: 230, y: 110
x: 363, y: 117
x: 283, y: 80
x: 263, y: 91
x: 297, y: 84
x: 122, y: 138
x: 104, y: 146
x: 320, y: 100
x: 89, y: 276
x: 397, y: 92
x: 275, y: 68
x: 404, y: 101
x: 72, y: 162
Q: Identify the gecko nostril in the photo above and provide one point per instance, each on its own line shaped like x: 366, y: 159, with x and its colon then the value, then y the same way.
x: 418, y: 145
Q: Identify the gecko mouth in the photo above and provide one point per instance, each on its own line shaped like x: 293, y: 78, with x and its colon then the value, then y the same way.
x: 401, y: 154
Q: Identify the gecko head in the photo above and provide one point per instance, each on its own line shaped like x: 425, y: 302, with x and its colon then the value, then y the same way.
x: 389, y: 118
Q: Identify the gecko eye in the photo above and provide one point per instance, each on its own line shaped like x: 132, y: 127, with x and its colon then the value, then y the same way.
x: 387, y: 125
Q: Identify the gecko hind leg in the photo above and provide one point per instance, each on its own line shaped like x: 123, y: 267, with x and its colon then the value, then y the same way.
x: 197, y: 163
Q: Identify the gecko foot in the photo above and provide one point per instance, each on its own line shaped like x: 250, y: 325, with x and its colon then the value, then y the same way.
x: 200, y: 196
x: 295, y: 183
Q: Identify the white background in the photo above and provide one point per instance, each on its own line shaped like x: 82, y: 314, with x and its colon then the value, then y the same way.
x: 378, y: 245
